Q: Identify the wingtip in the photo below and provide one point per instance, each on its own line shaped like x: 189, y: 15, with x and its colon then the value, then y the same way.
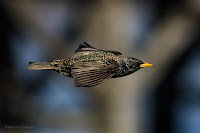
x: 88, y: 44
x: 85, y: 43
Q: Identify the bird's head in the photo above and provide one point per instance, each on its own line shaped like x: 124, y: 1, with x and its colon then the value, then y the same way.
x: 134, y: 64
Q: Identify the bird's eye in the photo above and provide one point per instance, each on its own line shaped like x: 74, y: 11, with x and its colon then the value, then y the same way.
x: 137, y: 64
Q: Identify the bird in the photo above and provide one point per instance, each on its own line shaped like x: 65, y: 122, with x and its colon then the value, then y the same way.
x: 90, y: 66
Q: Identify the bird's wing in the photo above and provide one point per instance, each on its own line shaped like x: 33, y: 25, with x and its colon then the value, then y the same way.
x: 88, y: 74
x: 85, y: 49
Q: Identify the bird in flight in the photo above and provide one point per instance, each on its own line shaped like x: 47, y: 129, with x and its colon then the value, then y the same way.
x: 90, y: 66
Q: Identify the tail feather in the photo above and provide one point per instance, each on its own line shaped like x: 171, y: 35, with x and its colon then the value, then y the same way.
x: 43, y: 65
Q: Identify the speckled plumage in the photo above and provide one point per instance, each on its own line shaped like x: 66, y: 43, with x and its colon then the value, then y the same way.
x: 90, y: 66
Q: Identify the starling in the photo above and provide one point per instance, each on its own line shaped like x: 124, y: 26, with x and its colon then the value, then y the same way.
x: 90, y: 66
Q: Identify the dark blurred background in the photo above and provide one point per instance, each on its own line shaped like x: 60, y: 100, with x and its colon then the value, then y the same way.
x: 165, y: 99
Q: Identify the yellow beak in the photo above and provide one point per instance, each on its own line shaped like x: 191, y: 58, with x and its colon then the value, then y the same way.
x: 146, y: 65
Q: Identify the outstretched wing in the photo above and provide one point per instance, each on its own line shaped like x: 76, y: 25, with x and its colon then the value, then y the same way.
x: 88, y: 74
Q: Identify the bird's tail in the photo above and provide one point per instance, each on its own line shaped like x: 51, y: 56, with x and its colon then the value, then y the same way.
x: 43, y: 65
